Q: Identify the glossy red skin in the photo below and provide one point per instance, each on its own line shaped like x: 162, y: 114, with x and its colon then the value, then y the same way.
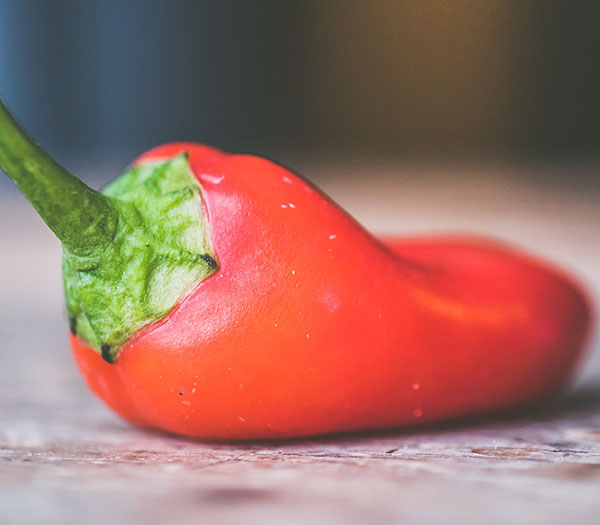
x: 312, y: 326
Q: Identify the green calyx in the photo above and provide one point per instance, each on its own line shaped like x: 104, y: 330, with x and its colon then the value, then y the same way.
x: 160, y: 250
x: 131, y: 252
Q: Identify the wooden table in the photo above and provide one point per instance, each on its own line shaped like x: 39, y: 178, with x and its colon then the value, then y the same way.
x: 66, y: 459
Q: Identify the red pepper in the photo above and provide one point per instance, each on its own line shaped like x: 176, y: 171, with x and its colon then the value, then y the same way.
x: 311, y: 325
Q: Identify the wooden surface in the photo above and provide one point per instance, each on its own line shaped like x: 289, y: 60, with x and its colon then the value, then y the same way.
x: 65, y: 459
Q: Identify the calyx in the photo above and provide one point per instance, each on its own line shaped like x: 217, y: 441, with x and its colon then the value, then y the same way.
x: 161, y: 249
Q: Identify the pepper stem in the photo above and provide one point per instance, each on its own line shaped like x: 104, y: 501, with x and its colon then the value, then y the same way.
x: 79, y: 216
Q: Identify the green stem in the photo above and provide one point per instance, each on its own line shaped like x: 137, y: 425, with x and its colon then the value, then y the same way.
x: 79, y: 216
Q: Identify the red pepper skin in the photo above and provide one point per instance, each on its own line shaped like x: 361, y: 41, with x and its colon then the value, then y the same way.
x: 312, y: 325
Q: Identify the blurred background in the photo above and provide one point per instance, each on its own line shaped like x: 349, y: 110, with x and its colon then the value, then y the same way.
x: 99, y: 81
